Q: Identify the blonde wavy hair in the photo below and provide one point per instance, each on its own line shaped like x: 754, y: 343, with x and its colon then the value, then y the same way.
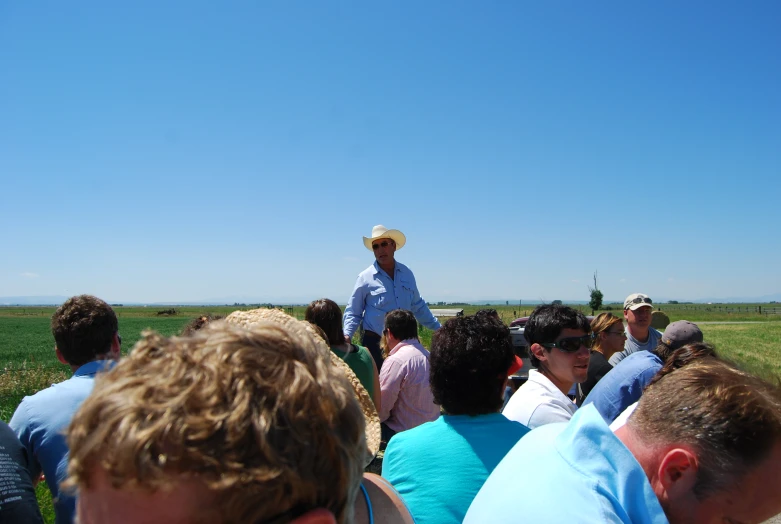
x: 259, y: 416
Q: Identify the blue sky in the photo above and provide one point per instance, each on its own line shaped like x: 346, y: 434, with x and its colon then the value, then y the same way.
x: 180, y: 151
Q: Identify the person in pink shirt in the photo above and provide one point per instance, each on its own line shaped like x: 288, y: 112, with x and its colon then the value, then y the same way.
x: 407, y: 400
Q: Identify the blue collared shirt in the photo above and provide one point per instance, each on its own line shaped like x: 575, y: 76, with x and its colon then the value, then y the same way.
x: 568, y: 472
x: 376, y: 294
x: 623, y: 385
x: 40, y: 421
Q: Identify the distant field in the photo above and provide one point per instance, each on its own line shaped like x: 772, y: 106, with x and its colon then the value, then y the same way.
x: 28, y: 363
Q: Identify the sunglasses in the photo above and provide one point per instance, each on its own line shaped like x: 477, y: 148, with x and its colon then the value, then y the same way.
x: 641, y: 300
x: 571, y: 344
x: 619, y: 333
x: 381, y: 244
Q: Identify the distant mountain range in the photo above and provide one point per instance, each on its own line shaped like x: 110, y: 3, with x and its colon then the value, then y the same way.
x: 57, y: 300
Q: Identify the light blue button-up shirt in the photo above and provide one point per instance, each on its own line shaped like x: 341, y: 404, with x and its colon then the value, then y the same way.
x: 573, y: 472
x: 376, y: 294
x: 624, y: 384
x: 40, y: 421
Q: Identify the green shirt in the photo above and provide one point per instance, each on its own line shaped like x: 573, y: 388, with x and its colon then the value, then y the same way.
x: 361, y: 363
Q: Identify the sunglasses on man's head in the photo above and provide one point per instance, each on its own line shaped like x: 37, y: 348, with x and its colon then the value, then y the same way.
x: 384, y: 243
x: 641, y: 300
x: 571, y: 344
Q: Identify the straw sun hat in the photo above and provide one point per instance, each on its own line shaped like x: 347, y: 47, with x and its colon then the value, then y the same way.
x: 255, y: 317
x: 380, y: 231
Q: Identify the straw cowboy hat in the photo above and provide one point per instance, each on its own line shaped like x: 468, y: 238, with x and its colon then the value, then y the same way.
x: 380, y: 231
x: 255, y: 318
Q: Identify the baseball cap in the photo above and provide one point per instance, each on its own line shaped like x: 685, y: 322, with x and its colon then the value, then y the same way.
x: 637, y: 300
x: 680, y: 333
x: 516, y: 365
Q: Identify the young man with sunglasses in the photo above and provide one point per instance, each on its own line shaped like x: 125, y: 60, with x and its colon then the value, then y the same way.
x: 384, y: 286
x: 559, y: 339
x: 640, y: 336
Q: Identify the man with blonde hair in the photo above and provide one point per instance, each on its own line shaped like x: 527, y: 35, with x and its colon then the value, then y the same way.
x: 703, y: 445
x: 228, y: 425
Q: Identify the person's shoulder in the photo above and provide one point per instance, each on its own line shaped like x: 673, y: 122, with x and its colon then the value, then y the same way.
x: 386, y: 504
x: 368, y: 273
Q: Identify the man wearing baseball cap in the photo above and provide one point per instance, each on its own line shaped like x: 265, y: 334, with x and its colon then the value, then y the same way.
x: 623, y: 385
x: 382, y: 287
x: 639, y: 334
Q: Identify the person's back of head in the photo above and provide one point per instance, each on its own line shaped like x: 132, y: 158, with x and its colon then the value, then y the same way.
x: 468, y: 364
x: 402, y: 324
x: 326, y: 314
x: 84, y: 328
x: 677, y: 335
x: 230, y: 424
x: 547, y: 322
x: 684, y: 356
x: 703, y: 430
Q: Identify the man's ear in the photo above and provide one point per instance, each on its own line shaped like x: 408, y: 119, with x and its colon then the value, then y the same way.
x: 116, y: 347
x: 60, y: 356
x: 316, y: 516
x: 538, y: 351
x: 678, y: 472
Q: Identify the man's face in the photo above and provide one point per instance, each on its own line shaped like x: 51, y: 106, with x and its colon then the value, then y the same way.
x: 754, y: 498
x: 563, y: 367
x: 187, y: 503
x: 640, y: 317
x: 384, y: 248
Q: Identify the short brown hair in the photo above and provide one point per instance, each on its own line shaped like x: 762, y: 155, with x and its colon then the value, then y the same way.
x: 402, y: 324
x: 260, y: 416
x: 730, y: 418
x: 84, y: 327
x: 326, y: 314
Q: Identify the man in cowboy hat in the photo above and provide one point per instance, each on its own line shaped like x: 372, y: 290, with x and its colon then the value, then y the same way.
x: 382, y: 287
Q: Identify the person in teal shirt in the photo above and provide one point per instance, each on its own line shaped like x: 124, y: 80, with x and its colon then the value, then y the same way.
x: 438, y: 467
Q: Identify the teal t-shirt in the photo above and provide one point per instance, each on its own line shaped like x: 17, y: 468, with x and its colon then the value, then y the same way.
x: 361, y: 363
x: 439, y: 467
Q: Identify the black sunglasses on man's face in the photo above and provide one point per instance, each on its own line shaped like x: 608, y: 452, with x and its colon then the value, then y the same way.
x: 571, y: 344
x: 384, y: 243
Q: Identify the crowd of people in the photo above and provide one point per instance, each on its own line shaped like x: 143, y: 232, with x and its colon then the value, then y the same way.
x: 261, y: 417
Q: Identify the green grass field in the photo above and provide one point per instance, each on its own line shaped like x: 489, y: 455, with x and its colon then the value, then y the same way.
x: 28, y: 363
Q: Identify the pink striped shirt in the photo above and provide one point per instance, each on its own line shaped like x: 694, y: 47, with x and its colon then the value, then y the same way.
x: 407, y: 400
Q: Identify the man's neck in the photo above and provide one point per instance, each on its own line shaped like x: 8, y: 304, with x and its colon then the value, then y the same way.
x: 74, y: 367
x: 639, y: 333
x: 390, y: 269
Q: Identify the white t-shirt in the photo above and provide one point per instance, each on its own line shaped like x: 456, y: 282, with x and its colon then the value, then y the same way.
x: 623, y: 417
x: 539, y: 402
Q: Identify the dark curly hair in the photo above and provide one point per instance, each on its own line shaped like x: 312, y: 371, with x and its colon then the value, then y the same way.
x: 468, y: 362
x: 84, y: 327
x: 199, y: 323
x: 547, y: 322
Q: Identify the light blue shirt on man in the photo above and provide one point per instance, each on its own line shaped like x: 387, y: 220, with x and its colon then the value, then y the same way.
x: 40, y: 421
x: 624, y: 384
x: 376, y: 294
x: 573, y: 472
